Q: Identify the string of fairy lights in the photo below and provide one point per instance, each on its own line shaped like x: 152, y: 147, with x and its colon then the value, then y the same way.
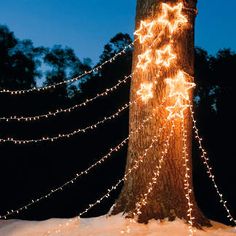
x: 178, y: 86
x: 54, y: 85
x: 209, y: 168
x: 135, y: 166
x: 156, y: 173
x: 70, y: 134
x: 106, y: 92
x: 84, y: 172
x: 187, y: 177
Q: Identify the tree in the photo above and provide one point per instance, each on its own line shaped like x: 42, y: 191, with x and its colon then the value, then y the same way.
x: 167, y: 199
x: 18, y: 62
x: 62, y: 63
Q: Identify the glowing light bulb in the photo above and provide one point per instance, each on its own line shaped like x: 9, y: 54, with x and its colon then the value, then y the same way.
x: 145, y: 31
x: 165, y: 56
x: 145, y: 91
x: 176, y: 111
x: 179, y: 86
x: 172, y: 17
x: 144, y: 60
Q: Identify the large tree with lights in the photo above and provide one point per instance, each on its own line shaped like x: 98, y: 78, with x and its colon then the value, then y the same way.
x: 162, y: 84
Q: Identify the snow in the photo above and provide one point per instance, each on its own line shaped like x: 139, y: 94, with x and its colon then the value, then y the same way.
x: 107, y: 226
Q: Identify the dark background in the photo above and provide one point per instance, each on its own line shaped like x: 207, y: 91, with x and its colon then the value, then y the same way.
x: 28, y: 171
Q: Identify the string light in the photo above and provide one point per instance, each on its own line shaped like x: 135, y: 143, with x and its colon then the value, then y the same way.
x: 156, y: 173
x: 172, y: 17
x: 114, y: 187
x: 52, y: 86
x: 145, y: 31
x: 165, y: 56
x: 68, y: 135
x: 209, y: 168
x: 179, y: 86
x: 143, y: 202
x: 82, y: 173
x: 144, y: 60
x: 49, y: 114
x: 145, y: 92
x: 187, y: 177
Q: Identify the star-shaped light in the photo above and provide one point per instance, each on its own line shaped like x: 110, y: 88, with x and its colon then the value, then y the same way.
x: 172, y: 17
x: 145, y: 31
x: 179, y: 86
x: 145, y: 91
x: 144, y: 59
x: 165, y: 56
x: 177, y: 111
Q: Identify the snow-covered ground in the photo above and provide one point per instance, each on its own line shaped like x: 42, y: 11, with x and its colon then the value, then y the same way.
x: 106, y: 226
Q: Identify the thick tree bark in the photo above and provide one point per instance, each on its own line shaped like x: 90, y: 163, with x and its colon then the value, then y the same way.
x: 167, y: 199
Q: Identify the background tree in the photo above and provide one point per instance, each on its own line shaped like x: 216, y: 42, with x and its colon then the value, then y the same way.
x: 18, y: 64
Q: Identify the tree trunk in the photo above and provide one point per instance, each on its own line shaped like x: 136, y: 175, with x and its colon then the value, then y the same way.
x: 167, y: 200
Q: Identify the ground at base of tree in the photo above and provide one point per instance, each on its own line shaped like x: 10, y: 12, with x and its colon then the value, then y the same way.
x: 107, y: 226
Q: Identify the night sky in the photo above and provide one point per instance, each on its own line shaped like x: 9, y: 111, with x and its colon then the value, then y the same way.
x: 87, y: 25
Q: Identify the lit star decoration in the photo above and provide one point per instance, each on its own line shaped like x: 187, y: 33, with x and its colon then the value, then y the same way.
x: 144, y: 60
x: 172, y: 17
x: 145, y: 31
x: 145, y: 91
x: 165, y: 56
x: 177, y: 111
x: 179, y: 86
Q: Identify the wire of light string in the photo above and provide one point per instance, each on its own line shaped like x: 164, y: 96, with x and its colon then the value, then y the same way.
x: 73, y: 180
x: 70, y: 134
x: 54, y: 85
